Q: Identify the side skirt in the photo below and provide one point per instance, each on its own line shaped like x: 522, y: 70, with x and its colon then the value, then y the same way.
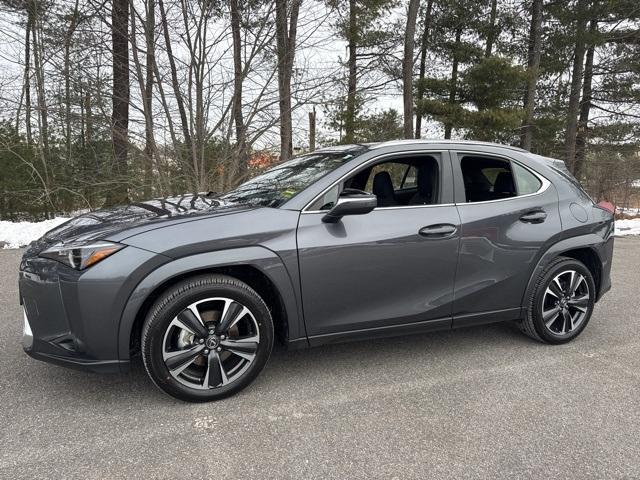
x: 459, y: 321
x: 471, y: 319
x: 381, y: 332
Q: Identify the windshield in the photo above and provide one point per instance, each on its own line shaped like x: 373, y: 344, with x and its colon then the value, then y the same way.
x: 281, y: 183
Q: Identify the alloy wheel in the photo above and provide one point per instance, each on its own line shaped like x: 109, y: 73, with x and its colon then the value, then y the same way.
x: 565, y: 303
x: 211, y: 343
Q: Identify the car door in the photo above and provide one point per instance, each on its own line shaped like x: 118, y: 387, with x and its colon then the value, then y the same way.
x: 382, y: 269
x: 504, y: 224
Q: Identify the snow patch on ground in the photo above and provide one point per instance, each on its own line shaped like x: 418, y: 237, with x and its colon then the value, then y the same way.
x: 628, y: 227
x: 20, y: 234
x: 632, y: 212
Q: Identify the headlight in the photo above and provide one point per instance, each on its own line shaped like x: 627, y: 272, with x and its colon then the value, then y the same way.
x: 81, y: 255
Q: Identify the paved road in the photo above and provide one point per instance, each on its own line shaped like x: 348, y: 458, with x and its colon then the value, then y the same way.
x: 484, y: 402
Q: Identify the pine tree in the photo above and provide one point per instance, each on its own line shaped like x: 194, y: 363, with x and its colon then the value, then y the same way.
x: 360, y: 27
x: 481, y: 96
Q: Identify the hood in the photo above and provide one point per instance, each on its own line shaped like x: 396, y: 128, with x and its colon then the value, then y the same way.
x: 141, y: 216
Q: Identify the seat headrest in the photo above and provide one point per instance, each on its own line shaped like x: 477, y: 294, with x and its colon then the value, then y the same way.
x: 504, y: 183
x: 425, y: 180
x: 382, y: 185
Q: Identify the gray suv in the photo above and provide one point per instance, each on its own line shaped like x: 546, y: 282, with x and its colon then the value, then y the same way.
x: 344, y: 243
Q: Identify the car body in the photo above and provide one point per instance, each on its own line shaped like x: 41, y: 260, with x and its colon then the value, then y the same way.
x: 463, y: 256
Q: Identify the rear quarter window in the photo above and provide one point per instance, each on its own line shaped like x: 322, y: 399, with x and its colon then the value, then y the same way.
x: 559, y: 167
x: 526, y: 181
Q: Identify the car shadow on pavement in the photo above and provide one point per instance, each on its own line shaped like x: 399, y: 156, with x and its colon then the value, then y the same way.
x: 325, y: 367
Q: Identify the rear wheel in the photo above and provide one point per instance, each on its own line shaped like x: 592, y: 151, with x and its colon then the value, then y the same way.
x: 206, y: 338
x: 562, y: 302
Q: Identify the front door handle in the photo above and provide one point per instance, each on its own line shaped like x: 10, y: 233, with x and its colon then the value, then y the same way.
x: 537, y: 216
x: 438, y: 230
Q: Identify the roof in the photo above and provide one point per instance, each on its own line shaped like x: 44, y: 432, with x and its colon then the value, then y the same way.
x: 410, y: 141
x: 430, y: 141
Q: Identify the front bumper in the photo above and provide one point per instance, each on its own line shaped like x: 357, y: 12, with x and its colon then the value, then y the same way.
x: 27, y: 334
x: 56, y: 342
x: 72, y: 318
x: 97, y: 366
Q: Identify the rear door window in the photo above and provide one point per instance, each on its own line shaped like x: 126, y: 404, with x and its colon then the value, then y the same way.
x: 487, y: 178
x: 490, y: 178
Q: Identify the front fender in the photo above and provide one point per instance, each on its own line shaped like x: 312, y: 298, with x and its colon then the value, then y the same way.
x: 263, y: 259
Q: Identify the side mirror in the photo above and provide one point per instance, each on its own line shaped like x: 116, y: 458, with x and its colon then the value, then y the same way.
x: 351, y: 205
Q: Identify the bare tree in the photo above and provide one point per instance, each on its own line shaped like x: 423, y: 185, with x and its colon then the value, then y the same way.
x: 350, y: 118
x: 407, y: 67
x: 241, y: 132
x: 150, y: 44
x: 214, y: 83
x: 312, y: 130
x: 146, y: 82
x: 533, y: 66
x: 73, y: 24
x: 27, y: 71
x: 286, y: 26
x: 424, y: 43
x: 175, y: 83
x: 43, y: 113
x: 453, y: 88
x: 120, y: 99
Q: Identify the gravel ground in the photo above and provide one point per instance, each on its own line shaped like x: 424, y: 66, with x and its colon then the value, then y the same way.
x: 482, y: 402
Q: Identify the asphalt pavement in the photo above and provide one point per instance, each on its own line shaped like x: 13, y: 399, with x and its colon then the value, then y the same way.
x: 483, y: 402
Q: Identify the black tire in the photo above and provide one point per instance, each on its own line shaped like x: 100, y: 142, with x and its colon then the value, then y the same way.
x: 535, y: 326
x: 176, y: 301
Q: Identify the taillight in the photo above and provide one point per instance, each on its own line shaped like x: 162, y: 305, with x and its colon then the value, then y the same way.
x: 608, y: 206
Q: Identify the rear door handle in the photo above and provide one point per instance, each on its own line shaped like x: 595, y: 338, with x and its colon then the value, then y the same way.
x: 537, y: 216
x: 438, y: 230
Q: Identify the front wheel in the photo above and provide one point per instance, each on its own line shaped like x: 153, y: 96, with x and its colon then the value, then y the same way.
x: 562, y: 302
x: 206, y: 338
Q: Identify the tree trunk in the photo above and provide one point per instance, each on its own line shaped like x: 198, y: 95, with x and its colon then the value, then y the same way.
x: 240, y: 164
x: 576, y: 85
x: 67, y: 78
x: 27, y: 70
x: 582, y: 135
x: 88, y: 113
x: 83, y: 142
x: 533, y: 65
x: 453, y: 89
x: 165, y: 104
x: 145, y: 84
x: 312, y: 130
x: 176, y: 88
x: 82, y: 160
x: 43, y: 112
x: 407, y: 67
x: 120, y: 99
x: 423, y: 65
x: 350, y: 118
x: 491, y: 34
x: 149, y: 140
x: 286, y: 44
